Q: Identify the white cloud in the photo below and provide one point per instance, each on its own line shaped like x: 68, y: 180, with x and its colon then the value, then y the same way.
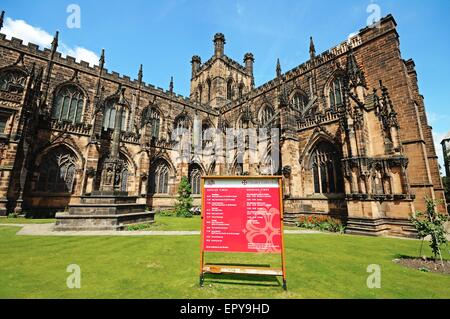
x: 239, y: 8
x: 22, y: 30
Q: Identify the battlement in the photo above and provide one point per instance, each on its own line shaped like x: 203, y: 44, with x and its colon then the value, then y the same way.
x: 386, y: 24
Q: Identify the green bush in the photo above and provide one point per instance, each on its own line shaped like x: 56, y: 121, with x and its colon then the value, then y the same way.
x: 321, y: 222
x: 431, y: 223
x: 184, y: 201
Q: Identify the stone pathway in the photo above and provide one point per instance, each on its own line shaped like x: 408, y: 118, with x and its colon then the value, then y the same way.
x: 48, y: 230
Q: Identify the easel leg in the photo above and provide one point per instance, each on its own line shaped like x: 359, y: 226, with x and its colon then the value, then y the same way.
x: 284, y: 284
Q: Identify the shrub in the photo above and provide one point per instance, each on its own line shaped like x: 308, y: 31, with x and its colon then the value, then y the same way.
x: 184, y: 200
x: 321, y: 222
x: 431, y: 223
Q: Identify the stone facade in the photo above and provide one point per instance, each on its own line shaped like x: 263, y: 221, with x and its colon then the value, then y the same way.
x: 354, y: 140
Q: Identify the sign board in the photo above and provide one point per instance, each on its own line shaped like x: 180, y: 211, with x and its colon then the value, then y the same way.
x: 242, y: 214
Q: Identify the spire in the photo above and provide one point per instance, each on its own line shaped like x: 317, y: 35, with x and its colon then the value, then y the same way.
x: 355, y: 74
x: 140, y: 74
x: 171, y: 85
x: 55, y: 42
x: 2, y: 16
x: 278, y: 68
x: 312, y: 48
x: 101, y: 61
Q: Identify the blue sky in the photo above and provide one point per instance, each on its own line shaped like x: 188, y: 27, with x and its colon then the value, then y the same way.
x: 163, y: 35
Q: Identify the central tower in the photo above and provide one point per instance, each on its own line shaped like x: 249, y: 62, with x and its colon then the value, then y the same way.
x: 220, y: 79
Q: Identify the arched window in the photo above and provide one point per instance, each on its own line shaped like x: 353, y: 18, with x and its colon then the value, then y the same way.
x: 208, y: 82
x: 230, y: 89
x: 124, y: 179
x: 151, y: 116
x: 195, y: 174
x: 326, y: 169
x: 267, y: 164
x: 207, y: 135
x: 181, y: 124
x: 68, y: 104
x: 266, y: 114
x: 299, y: 101
x: 200, y: 93
x: 109, y: 115
x: 241, y: 89
x: 13, y: 81
x: 159, y: 178
x: 336, y: 92
x: 57, y: 172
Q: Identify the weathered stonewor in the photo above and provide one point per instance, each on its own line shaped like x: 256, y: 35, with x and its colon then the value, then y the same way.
x: 104, y: 211
x: 108, y: 208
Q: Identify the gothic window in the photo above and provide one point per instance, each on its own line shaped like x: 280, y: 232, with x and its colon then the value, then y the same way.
x: 241, y: 90
x: 207, y: 136
x: 326, y: 169
x: 159, y: 178
x: 208, y: 82
x: 336, y: 92
x: 181, y: 125
x: 57, y: 172
x: 124, y: 179
x: 299, y: 101
x: 151, y: 116
x: 68, y: 104
x: 13, y: 81
x: 200, y: 93
x: 267, y: 164
x: 266, y: 115
x: 230, y: 89
x: 195, y: 174
x: 109, y: 115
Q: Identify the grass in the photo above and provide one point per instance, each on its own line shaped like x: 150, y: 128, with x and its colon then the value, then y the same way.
x: 318, y: 266
x: 175, y: 223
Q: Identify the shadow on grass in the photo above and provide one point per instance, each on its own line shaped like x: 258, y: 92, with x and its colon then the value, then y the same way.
x: 242, y: 279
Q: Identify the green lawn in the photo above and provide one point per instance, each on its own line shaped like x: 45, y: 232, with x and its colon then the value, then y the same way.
x: 175, y: 223
x: 318, y: 266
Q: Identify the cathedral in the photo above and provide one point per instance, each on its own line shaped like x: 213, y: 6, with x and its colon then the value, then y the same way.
x: 353, y: 143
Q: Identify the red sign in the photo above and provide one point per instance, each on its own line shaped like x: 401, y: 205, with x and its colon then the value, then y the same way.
x: 242, y: 215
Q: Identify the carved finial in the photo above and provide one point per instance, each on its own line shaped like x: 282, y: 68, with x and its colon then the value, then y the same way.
x: 171, y: 85
x: 355, y: 74
x: 312, y: 48
x: 2, y: 16
x: 55, y: 42
x: 102, y: 59
x: 278, y: 68
x: 140, y: 74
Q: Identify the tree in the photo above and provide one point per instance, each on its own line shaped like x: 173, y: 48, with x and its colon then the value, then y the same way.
x: 184, y: 200
x: 431, y: 223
